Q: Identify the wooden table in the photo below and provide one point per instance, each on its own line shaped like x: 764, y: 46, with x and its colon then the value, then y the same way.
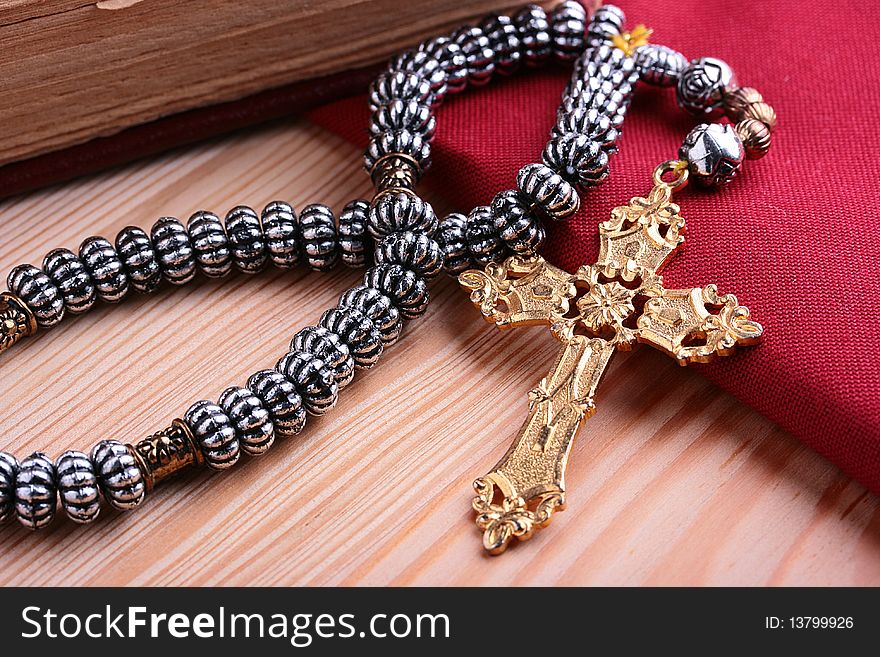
x: 672, y: 482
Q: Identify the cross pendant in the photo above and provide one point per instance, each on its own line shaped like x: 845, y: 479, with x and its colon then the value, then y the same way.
x: 613, y: 304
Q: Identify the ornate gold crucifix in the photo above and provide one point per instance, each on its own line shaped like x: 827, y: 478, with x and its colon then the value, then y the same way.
x: 610, y: 305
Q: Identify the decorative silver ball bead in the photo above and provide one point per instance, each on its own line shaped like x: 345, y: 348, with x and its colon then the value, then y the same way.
x: 210, y: 244
x: 424, y: 65
x: 246, y: 239
x: 394, y: 211
x: 173, y: 250
x: 214, y: 433
x: 377, y: 307
x: 701, y: 87
x: 35, y: 491
x: 72, y: 278
x: 484, y: 243
x: 452, y: 58
x: 330, y: 348
x: 280, y: 397
x: 606, y: 22
x: 504, y: 42
x: 138, y: 256
x: 399, y: 85
x: 78, y: 488
x: 415, y: 251
x: 452, y: 237
x: 403, y: 115
x: 406, y: 289
x: 250, y: 419
x: 590, y: 123
x: 405, y: 142
x: 714, y: 153
x: 352, y: 232
x: 281, y: 232
x: 356, y: 330
x: 658, y: 65
x: 318, y: 229
x: 106, y: 269
x: 8, y: 472
x: 516, y: 224
x: 312, y: 379
x: 119, y: 476
x: 478, y: 53
x: 38, y: 293
x: 577, y: 158
x: 545, y: 188
x: 533, y: 30
x: 568, y: 24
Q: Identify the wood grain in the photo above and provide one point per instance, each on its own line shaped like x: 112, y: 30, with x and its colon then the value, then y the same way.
x: 72, y: 70
x: 672, y: 481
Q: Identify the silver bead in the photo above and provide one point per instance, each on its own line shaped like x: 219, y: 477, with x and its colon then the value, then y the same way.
x: 35, y: 491
x: 701, y: 86
x: 214, y: 433
x: 72, y: 279
x: 424, y: 65
x: 210, y: 244
x: 577, y: 158
x: 714, y: 153
x: 533, y: 30
x: 330, y: 348
x: 516, y: 224
x: 590, y: 123
x: 393, y: 212
x: 478, y: 52
x: 356, y: 330
x: 568, y: 24
x: 377, y: 307
x: 318, y: 229
x: 38, y: 293
x: 8, y: 472
x: 453, y: 240
x: 251, y: 420
x: 119, y: 476
x: 659, y: 65
x: 406, y: 289
x: 607, y: 21
x: 504, y: 42
x: 173, y: 250
x: 280, y: 397
x: 312, y: 379
x: 543, y: 187
x: 77, y: 486
x: 352, y: 232
x: 246, y: 239
x: 281, y: 232
x: 139, y: 259
x: 105, y: 268
x: 399, y: 85
x: 484, y: 243
x: 405, y: 142
x: 415, y: 251
x: 403, y: 115
x: 453, y: 60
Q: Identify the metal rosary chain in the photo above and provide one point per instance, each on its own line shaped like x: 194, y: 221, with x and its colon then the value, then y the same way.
x: 324, y: 358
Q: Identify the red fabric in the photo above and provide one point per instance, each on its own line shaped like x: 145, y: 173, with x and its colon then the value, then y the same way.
x: 796, y: 237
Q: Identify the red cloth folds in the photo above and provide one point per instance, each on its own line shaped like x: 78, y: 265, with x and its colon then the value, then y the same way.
x: 795, y: 237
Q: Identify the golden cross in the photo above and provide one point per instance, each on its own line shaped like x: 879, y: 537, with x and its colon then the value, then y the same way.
x: 610, y: 305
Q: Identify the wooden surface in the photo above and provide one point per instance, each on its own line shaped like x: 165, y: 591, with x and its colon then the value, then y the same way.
x: 672, y: 481
x: 71, y: 70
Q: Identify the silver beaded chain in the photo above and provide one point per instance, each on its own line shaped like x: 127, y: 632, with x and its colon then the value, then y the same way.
x: 323, y: 358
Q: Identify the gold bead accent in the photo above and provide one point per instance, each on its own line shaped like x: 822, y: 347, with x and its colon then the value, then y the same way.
x: 16, y: 320
x: 736, y: 101
x: 762, y: 112
x: 167, y: 452
x: 755, y: 136
x: 394, y: 171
